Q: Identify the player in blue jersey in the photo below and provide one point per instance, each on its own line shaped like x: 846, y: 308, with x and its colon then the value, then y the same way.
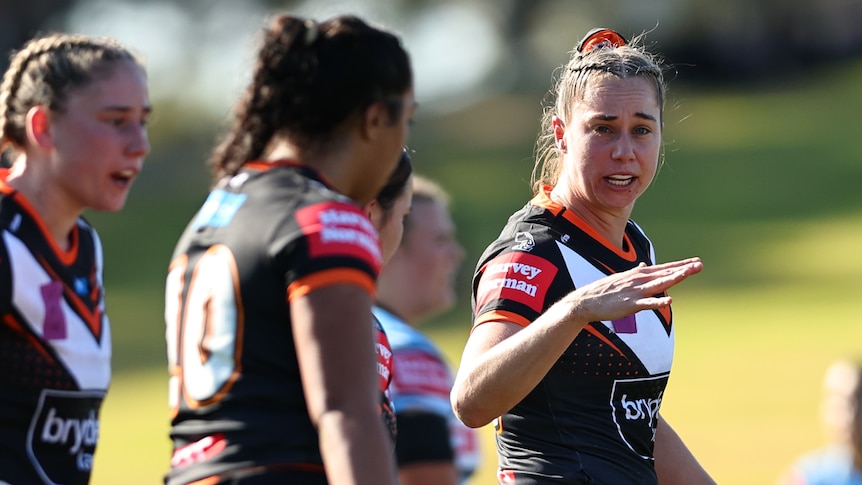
x: 415, y: 285
x: 270, y: 335
x: 73, y: 111
x: 839, y: 462
x: 572, y: 337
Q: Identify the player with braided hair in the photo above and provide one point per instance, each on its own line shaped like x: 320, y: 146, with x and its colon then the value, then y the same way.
x: 270, y: 335
x: 73, y: 111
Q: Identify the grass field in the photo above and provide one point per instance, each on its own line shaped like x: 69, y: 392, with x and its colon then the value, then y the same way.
x: 763, y: 185
x: 743, y: 393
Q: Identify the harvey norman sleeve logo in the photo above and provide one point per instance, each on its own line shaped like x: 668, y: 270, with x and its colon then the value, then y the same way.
x: 516, y: 276
x: 339, y: 229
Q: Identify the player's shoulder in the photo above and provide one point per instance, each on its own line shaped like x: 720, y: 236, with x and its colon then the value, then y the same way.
x: 528, y: 244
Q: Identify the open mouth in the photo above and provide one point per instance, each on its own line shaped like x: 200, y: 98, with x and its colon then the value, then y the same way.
x: 620, y: 180
x: 124, y: 177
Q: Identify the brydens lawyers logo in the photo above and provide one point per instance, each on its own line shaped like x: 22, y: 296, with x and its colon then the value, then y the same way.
x: 339, y: 229
x: 63, y: 434
x: 635, y: 404
x: 516, y: 276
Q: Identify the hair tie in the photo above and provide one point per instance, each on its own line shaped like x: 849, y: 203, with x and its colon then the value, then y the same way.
x: 311, y: 31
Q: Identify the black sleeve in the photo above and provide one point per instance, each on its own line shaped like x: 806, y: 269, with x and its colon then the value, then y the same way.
x: 422, y: 437
x: 5, y: 279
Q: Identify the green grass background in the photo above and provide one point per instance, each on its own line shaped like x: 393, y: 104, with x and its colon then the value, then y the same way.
x: 762, y: 182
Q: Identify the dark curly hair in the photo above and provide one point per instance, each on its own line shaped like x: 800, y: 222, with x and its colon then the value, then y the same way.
x: 309, y: 79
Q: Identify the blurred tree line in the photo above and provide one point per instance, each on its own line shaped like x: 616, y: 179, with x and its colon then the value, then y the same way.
x: 726, y: 40
x: 706, y: 41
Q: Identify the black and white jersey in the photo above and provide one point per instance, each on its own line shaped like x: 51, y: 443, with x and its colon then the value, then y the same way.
x: 592, y: 418
x: 55, y: 347
x: 271, y: 233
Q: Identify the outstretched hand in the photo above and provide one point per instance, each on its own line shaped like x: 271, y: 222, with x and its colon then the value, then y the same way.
x: 629, y: 292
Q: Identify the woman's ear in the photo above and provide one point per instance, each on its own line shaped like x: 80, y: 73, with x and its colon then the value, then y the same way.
x: 372, y: 210
x: 559, y: 130
x: 374, y: 118
x: 37, y: 124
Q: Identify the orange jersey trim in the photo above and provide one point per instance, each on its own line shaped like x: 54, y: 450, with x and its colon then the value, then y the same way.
x: 66, y: 257
x: 501, y: 316
x: 239, y: 335
x: 509, y: 317
x: 263, y: 166
x: 92, y: 319
x: 20, y: 329
x: 665, y: 312
x: 543, y: 199
x: 207, y: 481
x: 591, y: 329
x: 303, y: 286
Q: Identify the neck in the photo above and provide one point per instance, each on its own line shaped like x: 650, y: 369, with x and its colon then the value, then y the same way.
x: 398, y: 312
x: 50, y: 204
x: 609, y: 224
x: 333, y: 164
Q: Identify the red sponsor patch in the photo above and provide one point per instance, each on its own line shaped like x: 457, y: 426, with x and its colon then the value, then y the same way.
x: 517, y: 276
x: 420, y: 373
x: 200, y: 450
x: 339, y: 229
x: 384, y: 357
x: 505, y: 476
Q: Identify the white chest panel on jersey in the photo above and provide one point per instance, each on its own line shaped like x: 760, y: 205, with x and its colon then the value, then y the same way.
x: 86, y: 357
x: 651, y: 342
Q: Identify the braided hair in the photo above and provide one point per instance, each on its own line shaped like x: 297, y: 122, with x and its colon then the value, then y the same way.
x: 309, y: 80
x: 43, y: 73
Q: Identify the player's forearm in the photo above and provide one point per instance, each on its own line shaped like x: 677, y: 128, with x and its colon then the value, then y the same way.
x: 499, y: 370
x: 674, y: 462
x: 355, y: 449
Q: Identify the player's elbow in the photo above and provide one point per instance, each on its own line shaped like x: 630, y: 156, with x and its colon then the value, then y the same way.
x: 468, y: 410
